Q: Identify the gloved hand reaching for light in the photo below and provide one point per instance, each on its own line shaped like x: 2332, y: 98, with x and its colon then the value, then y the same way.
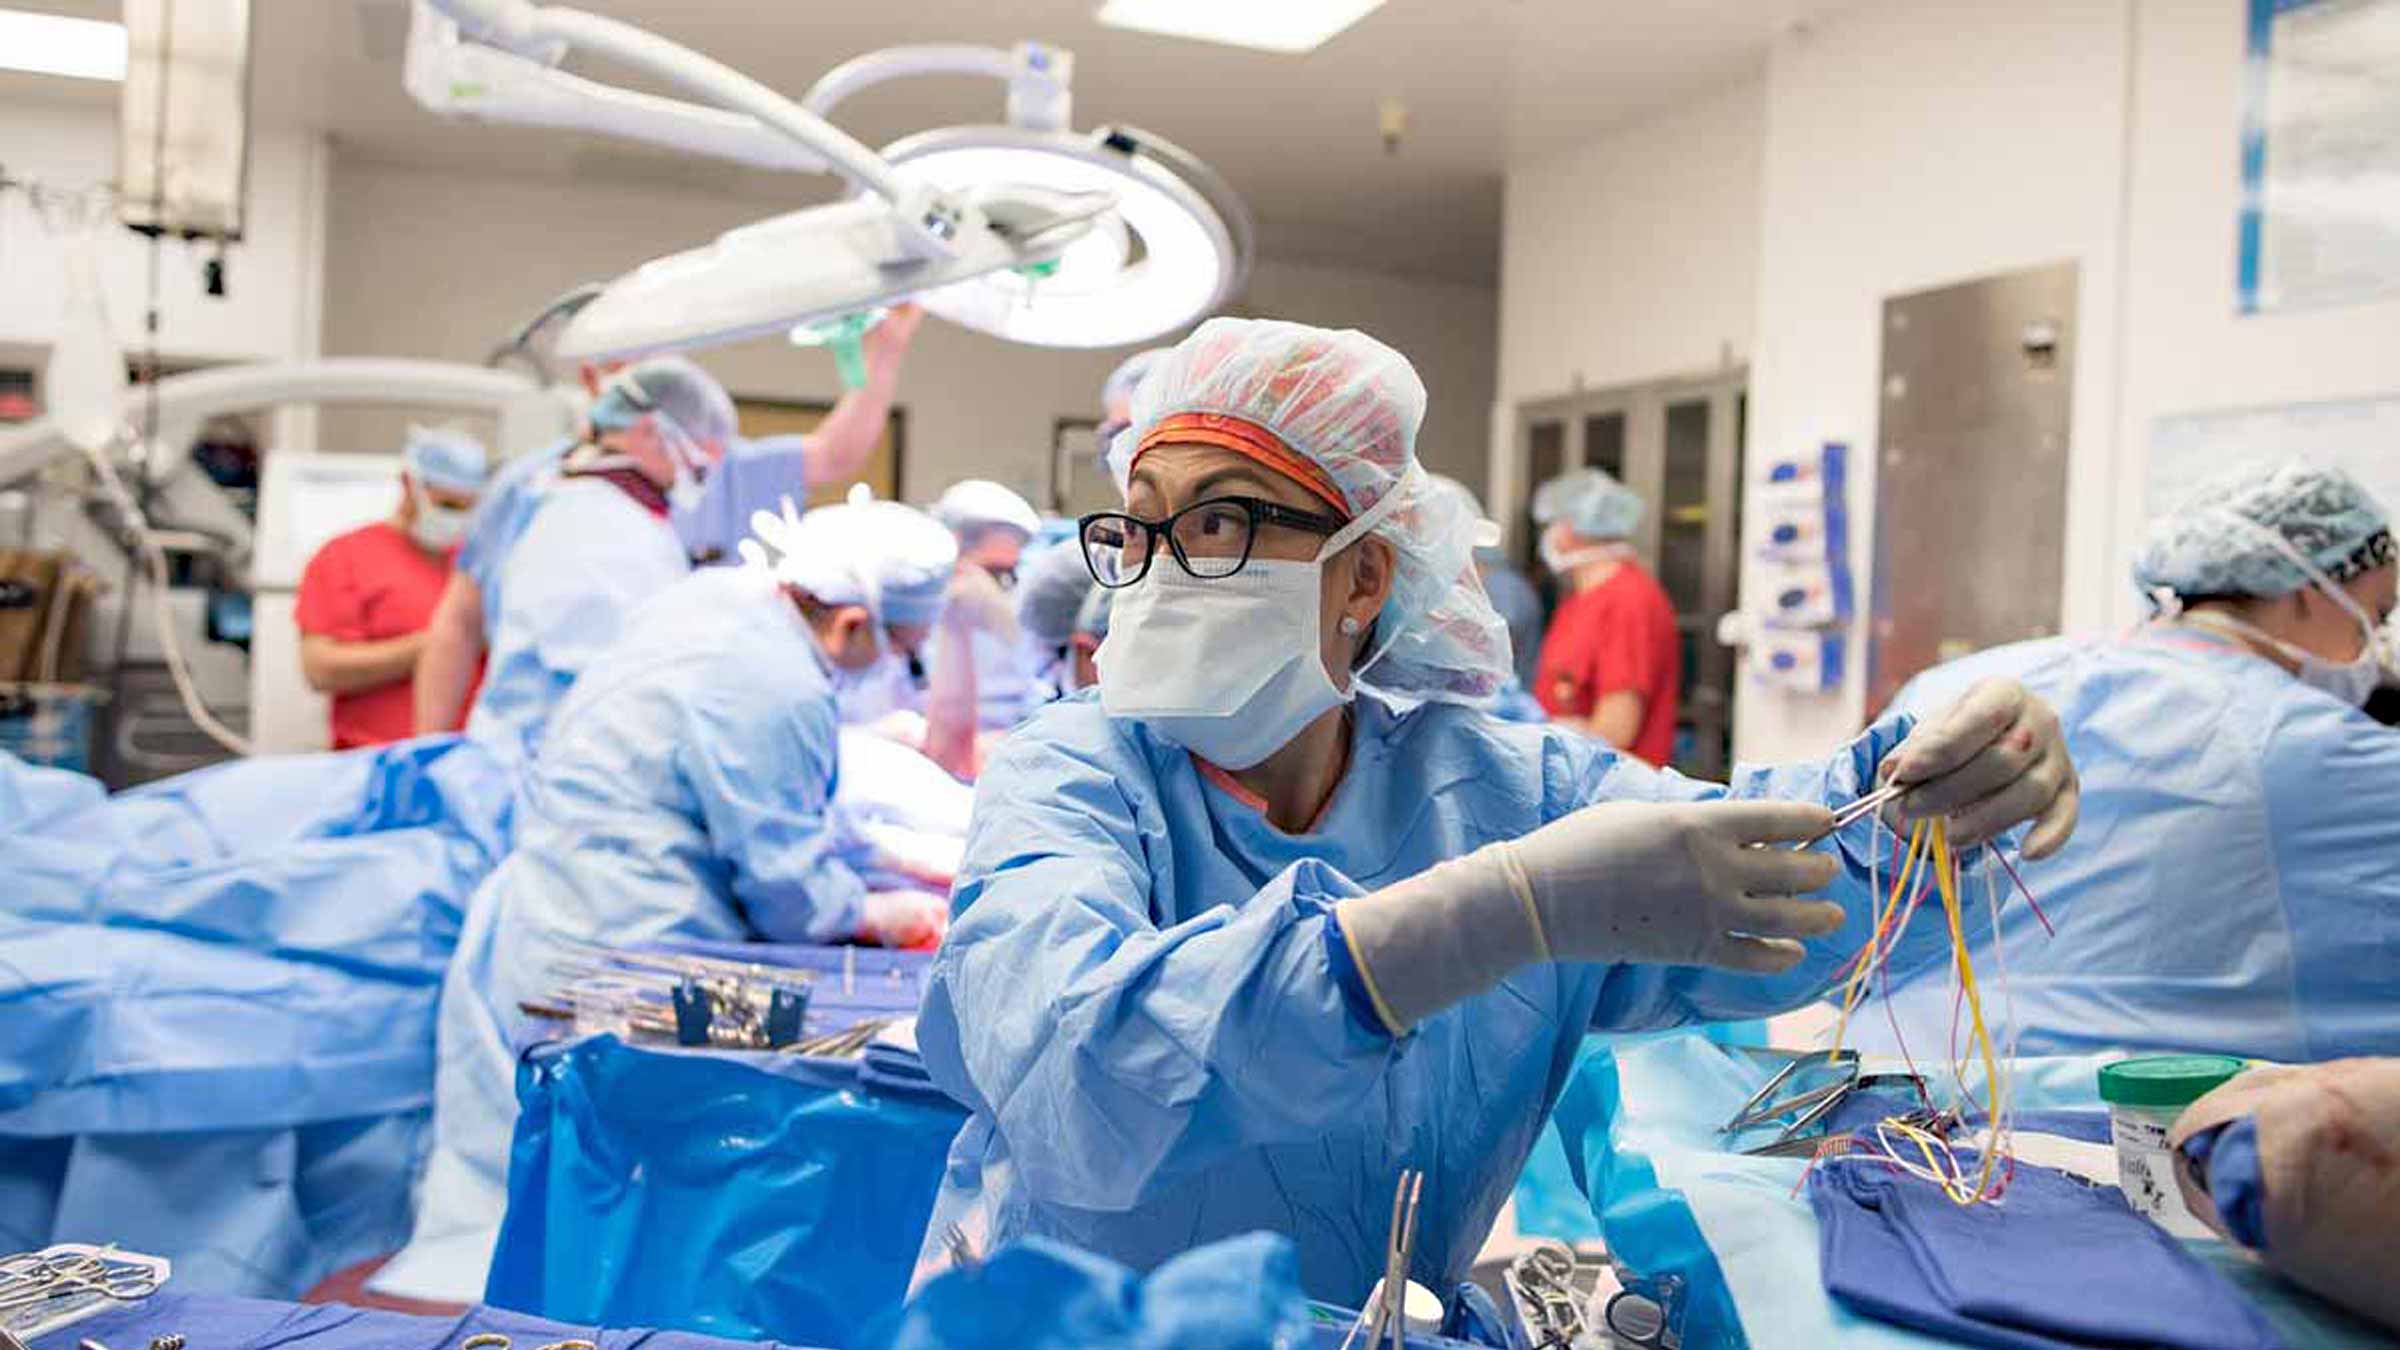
x: 1684, y: 883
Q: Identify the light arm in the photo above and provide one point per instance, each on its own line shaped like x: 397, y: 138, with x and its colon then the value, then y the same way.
x: 531, y: 31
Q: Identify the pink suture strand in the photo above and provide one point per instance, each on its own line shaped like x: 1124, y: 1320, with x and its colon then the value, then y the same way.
x: 2024, y: 890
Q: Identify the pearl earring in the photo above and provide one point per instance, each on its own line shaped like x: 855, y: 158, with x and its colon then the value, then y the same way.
x: 1349, y: 626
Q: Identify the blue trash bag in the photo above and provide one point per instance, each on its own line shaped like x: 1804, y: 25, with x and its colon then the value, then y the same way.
x: 750, y: 1196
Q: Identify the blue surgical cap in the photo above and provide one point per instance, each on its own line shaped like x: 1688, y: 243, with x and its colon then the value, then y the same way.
x: 445, y: 458
x: 1051, y: 586
x: 1092, y: 618
x: 1591, y: 503
x: 688, y: 395
x: 2215, y: 542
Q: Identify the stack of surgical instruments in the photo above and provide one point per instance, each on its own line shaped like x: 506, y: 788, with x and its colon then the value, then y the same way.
x: 684, y: 999
x: 58, y: 1286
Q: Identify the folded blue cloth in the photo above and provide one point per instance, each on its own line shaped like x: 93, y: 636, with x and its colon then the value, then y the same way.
x: 209, y: 1321
x: 2225, y: 1158
x: 2056, y: 1263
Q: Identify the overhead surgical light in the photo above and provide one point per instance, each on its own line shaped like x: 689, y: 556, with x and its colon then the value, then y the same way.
x: 1176, y: 246
x: 1029, y: 231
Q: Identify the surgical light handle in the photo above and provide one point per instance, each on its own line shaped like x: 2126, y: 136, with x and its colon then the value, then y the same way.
x: 1037, y: 76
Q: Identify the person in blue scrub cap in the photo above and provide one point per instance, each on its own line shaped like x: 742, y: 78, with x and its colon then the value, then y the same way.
x: 753, y: 476
x: 1280, y: 912
x: 994, y: 526
x: 2236, y: 886
x: 599, y: 542
x: 1060, y: 617
x: 1590, y: 505
x: 685, y: 792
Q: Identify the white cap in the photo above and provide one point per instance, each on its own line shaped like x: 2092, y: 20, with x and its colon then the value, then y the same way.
x: 975, y: 503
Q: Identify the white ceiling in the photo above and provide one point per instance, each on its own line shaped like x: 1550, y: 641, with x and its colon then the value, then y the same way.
x: 1484, y: 81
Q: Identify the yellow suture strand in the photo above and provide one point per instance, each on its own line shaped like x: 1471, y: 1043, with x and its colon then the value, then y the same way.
x: 1945, y: 877
x: 1855, y: 989
x: 1939, y: 1160
x: 1929, y: 846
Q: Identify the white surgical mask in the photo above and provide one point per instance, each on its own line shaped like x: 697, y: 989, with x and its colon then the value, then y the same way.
x: 436, y: 527
x: 691, y: 469
x: 1562, y: 561
x: 1229, y: 669
x: 2351, y: 681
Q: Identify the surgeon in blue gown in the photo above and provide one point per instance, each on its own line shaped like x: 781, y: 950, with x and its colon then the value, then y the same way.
x: 685, y: 791
x: 753, y: 476
x: 1283, y: 912
x: 2235, y: 887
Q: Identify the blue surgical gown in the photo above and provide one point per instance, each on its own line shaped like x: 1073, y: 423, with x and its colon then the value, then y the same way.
x: 1137, y: 1002
x: 502, y: 512
x: 588, y: 556
x: 754, y: 476
x: 2234, y: 885
x: 684, y: 791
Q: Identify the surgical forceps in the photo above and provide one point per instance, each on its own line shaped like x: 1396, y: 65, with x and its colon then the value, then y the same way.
x: 1857, y: 810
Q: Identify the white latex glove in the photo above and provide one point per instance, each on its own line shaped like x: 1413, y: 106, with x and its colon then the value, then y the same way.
x: 905, y: 918
x: 1996, y: 759
x: 1682, y: 883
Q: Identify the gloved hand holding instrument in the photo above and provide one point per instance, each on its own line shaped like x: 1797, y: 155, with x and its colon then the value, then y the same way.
x: 1695, y: 883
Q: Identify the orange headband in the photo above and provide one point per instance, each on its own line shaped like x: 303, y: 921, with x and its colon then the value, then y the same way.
x: 1251, y: 442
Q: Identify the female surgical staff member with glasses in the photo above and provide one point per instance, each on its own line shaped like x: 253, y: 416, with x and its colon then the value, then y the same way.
x: 1232, y: 945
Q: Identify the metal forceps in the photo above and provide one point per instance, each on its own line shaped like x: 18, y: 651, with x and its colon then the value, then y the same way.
x: 1382, y: 1319
x: 1764, y: 1107
x: 1858, y: 809
x: 30, y: 1278
x: 1543, y: 1283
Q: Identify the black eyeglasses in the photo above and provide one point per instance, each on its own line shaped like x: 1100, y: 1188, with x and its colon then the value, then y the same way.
x: 1210, y: 540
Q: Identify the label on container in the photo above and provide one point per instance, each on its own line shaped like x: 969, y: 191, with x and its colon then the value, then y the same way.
x: 2146, y: 1170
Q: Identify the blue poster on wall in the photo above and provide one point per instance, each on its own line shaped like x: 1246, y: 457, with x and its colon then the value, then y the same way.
x: 2320, y: 217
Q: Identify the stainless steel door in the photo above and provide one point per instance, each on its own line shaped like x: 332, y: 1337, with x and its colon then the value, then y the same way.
x: 1971, y: 490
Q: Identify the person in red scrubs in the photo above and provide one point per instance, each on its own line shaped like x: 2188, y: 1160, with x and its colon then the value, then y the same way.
x: 1612, y: 665
x: 366, y: 597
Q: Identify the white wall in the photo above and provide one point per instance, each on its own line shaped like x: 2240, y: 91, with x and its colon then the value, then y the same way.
x: 1906, y: 144
x: 442, y: 265
x: 1632, y: 259
x: 270, y: 310
x: 1910, y: 145
x: 2187, y: 349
